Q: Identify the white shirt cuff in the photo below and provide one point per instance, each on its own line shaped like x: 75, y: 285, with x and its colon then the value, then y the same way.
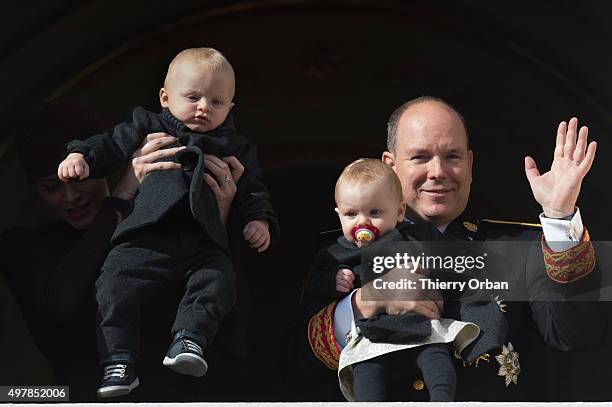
x: 344, y: 320
x: 561, y: 234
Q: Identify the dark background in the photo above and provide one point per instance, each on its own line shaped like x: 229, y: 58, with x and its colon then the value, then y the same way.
x: 316, y: 82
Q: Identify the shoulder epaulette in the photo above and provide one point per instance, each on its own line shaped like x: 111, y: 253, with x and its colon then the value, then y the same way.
x: 510, y: 223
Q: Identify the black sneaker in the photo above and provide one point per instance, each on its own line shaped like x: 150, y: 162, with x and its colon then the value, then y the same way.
x: 186, y: 356
x: 119, y: 379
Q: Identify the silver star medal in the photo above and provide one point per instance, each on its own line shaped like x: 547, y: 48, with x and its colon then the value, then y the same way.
x: 509, y: 361
x: 500, y: 304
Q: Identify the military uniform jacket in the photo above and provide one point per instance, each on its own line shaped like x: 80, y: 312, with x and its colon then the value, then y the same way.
x: 498, y: 373
x: 160, y: 191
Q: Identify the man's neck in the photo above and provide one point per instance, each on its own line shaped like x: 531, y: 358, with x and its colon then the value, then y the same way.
x: 441, y: 228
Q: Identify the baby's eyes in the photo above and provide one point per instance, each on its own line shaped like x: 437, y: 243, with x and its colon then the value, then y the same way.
x: 196, y: 98
x: 373, y: 212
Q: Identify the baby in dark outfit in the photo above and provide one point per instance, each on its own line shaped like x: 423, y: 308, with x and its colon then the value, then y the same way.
x: 173, y: 234
x: 370, y: 206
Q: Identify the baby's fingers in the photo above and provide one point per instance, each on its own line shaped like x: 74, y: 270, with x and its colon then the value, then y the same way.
x: 72, y: 171
x: 265, y: 245
x: 83, y: 170
x: 346, y: 274
x: 62, y: 172
x: 257, y: 240
x: 343, y: 286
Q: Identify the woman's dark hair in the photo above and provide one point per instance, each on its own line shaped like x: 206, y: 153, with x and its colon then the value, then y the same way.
x: 44, y: 129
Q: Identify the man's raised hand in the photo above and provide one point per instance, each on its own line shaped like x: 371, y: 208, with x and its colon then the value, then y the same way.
x: 557, y: 190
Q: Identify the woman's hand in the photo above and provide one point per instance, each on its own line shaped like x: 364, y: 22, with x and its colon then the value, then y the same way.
x: 145, y: 160
x: 226, y: 171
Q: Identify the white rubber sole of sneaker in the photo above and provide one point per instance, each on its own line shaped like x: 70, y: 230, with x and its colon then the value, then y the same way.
x: 115, y: 391
x: 187, y: 363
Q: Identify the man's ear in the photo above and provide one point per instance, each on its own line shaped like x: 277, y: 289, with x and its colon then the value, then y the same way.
x: 337, y: 211
x: 388, y: 158
x: 232, y: 104
x: 163, y: 97
x: 401, y: 212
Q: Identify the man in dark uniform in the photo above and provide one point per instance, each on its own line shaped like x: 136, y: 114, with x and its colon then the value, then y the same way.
x: 428, y: 149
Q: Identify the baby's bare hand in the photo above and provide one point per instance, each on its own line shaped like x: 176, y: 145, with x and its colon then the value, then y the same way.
x: 73, y: 167
x: 344, y: 280
x: 257, y: 234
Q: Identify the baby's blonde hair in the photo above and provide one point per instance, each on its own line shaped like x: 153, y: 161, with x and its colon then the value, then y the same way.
x: 208, y: 57
x: 366, y: 170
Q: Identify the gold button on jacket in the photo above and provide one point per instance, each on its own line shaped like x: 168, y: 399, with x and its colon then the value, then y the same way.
x: 418, y: 385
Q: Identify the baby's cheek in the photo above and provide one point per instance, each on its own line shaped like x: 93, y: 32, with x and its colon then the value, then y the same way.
x: 384, y: 226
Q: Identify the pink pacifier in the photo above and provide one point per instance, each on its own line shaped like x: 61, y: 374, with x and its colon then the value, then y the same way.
x: 364, y: 234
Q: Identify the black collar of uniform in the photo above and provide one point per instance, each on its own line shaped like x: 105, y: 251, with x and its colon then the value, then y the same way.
x: 464, y: 227
x: 423, y: 232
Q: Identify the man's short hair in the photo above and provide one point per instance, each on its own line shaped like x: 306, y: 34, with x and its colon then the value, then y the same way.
x: 393, y: 122
x: 366, y: 170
